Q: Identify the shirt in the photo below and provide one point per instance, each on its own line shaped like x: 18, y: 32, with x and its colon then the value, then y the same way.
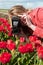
x: 37, y: 19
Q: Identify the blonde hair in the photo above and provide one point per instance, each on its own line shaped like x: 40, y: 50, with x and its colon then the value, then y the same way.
x: 17, y: 10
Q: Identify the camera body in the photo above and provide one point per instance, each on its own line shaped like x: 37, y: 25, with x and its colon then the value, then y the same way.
x: 16, y: 24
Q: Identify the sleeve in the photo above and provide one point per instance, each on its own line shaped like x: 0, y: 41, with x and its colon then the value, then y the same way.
x: 38, y: 32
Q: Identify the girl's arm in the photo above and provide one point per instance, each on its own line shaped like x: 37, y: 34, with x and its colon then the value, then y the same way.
x: 38, y: 31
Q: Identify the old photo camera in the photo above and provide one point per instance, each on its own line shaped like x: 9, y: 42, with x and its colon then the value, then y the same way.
x: 15, y: 24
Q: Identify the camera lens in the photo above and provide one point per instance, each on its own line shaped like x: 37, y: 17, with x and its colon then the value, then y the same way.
x: 15, y: 24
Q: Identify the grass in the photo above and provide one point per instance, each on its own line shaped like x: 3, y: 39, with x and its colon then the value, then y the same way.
x: 4, y: 10
x: 3, y: 13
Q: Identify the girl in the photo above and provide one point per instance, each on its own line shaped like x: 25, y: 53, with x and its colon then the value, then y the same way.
x: 34, y: 20
x: 19, y: 10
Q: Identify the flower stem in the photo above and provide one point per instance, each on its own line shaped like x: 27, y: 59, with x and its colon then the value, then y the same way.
x: 41, y: 62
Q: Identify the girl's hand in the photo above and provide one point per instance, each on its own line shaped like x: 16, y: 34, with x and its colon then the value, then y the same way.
x: 26, y: 20
x: 23, y: 19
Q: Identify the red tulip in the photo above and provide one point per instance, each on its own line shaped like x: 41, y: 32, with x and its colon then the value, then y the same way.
x: 5, y: 57
x: 22, y: 39
x: 40, y: 52
x: 25, y: 48
x: 10, y: 45
x: 33, y: 38
x: 3, y: 44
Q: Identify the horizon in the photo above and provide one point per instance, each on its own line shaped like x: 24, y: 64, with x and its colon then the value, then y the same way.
x: 7, y: 4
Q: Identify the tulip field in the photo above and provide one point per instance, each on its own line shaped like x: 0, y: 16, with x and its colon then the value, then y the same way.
x: 16, y: 50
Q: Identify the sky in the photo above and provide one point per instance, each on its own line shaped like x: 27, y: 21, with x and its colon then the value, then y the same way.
x: 7, y: 4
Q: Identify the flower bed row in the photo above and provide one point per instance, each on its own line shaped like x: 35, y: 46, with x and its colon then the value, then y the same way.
x: 18, y: 51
